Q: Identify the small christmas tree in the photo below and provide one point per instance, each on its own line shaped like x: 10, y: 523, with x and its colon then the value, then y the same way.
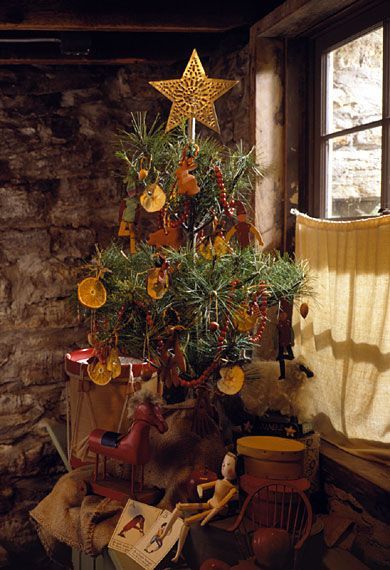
x: 190, y: 291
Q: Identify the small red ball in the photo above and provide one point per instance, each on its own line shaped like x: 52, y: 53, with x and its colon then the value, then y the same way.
x: 213, y: 326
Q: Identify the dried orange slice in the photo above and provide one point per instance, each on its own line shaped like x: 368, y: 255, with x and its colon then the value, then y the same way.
x: 92, y: 293
x: 114, y: 363
x: 99, y: 374
x: 232, y: 379
x: 205, y: 249
x: 219, y: 247
x: 157, y: 285
x: 243, y: 321
x: 153, y: 198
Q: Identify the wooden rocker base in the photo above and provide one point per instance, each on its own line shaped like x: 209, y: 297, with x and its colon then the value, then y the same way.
x: 120, y: 490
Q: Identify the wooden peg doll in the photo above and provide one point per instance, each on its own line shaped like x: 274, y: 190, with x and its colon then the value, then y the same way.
x: 224, y: 491
x: 127, y: 215
x: 285, y: 336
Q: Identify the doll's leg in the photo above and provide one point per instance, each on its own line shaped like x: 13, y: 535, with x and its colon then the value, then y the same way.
x: 290, y: 354
x: 182, y: 538
x: 186, y: 528
x: 210, y: 515
x: 179, y: 510
x: 282, y: 367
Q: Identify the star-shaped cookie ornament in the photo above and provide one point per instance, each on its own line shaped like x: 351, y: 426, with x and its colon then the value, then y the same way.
x: 193, y: 95
x: 290, y: 431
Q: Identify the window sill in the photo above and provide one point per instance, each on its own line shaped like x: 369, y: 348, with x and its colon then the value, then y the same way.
x: 367, y: 481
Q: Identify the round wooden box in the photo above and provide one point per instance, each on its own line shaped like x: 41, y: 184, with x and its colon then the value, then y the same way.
x: 269, y: 457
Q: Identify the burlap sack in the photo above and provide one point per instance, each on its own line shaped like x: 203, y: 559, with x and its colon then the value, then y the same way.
x: 70, y: 516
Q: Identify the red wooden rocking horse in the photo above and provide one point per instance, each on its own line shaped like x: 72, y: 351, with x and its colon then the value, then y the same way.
x: 132, y: 448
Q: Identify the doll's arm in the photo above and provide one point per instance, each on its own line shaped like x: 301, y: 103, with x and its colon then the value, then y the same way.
x: 221, y: 505
x: 203, y: 486
x: 257, y: 234
x: 230, y: 233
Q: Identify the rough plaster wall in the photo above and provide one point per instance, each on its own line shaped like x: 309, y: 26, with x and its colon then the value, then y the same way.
x: 59, y: 193
x: 269, y: 140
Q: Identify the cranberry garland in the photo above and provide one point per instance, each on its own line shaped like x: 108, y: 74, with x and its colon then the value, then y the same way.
x: 181, y: 219
x: 221, y: 339
x: 261, y: 293
x: 227, y: 206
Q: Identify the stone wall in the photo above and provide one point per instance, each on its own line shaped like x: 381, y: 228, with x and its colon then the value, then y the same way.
x: 60, y: 187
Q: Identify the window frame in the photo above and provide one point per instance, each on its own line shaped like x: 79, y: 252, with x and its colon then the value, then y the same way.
x: 331, y: 38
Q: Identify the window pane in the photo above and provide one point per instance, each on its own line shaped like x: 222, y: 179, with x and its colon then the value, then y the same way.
x: 354, y: 174
x: 354, y: 82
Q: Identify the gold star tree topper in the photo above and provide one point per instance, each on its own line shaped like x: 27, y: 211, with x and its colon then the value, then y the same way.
x: 193, y: 95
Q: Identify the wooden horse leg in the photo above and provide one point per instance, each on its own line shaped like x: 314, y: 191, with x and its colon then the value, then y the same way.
x: 96, y: 474
x: 104, y: 467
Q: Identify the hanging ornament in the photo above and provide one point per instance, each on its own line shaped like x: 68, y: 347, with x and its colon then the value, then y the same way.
x: 210, y: 249
x: 143, y: 172
x: 220, y: 246
x: 153, y: 197
x: 243, y: 230
x: 245, y: 317
x: 215, y: 245
x: 170, y: 235
x: 193, y: 95
x: 186, y: 182
x: 172, y: 359
x: 232, y: 379
x: 113, y: 363
x: 98, y: 373
x: 127, y: 214
x: 304, y: 310
x: 158, y: 280
x: 92, y: 293
x: 92, y: 338
x: 167, y: 237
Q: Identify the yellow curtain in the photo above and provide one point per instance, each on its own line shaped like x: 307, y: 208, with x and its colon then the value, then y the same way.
x: 346, y: 336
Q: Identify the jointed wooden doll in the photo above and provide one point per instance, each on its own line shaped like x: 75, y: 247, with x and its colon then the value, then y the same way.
x: 127, y: 218
x: 224, y: 491
x: 285, y: 336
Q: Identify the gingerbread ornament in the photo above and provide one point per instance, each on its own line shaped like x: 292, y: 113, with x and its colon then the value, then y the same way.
x: 167, y: 237
x: 186, y: 182
x: 243, y: 231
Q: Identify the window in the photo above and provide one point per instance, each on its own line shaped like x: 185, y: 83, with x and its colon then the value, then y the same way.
x: 352, y: 122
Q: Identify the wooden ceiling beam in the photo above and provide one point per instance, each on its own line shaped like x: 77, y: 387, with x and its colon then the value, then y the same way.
x: 78, y: 61
x: 107, y: 48
x: 296, y: 18
x: 118, y: 16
